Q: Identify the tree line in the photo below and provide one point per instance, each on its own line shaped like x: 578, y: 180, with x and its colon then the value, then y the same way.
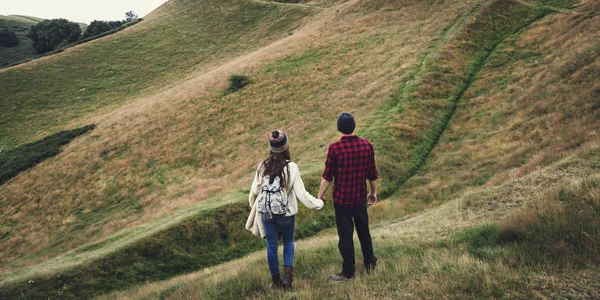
x: 50, y: 35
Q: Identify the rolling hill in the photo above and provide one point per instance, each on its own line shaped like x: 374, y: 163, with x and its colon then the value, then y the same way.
x: 483, y: 115
x: 24, y: 51
x: 20, y: 25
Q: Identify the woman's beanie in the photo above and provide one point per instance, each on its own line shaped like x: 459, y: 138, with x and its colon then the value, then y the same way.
x: 278, y: 140
x: 345, y: 123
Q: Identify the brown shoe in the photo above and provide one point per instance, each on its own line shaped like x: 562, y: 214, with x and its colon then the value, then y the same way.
x: 341, y: 277
x: 276, y: 282
x: 288, y: 277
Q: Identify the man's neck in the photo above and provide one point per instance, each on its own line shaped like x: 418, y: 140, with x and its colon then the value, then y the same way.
x: 351, y: 134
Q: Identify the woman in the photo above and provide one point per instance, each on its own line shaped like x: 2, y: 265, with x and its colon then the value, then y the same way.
x: 274, y: 193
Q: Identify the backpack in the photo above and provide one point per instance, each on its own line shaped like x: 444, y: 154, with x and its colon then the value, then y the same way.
x: 273, y: 198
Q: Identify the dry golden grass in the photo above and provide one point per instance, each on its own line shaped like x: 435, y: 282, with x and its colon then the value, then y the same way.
x: 525, y: 110
x: 187, y: 142
x: 170, y: 151
x: 427, y: 274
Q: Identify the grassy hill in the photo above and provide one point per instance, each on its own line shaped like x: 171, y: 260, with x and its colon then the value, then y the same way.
x: 20, y: 25
x: 24, y: 51
x: 483, y: 115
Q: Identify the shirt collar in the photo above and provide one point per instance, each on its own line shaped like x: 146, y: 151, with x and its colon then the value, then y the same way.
x: 348, y: 137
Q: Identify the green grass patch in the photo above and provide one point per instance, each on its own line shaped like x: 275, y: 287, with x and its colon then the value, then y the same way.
x: 561, y: 230
x: 236, y: 83
x: 438, y: 81
x: 21, y: 158
x: 23, y: 51
x: 210, y: 238
x: 44, y: 96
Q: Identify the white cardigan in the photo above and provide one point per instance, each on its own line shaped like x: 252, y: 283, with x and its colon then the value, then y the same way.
x: 295, y: 191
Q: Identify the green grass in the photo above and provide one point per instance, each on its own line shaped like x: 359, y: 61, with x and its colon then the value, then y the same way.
x: 462, y: 267
x: 439, y: 83
x: 76, y: 83
x: 24, y: 50
x: 207, y: 239
x: 552, y: 254
x: 19, y: 159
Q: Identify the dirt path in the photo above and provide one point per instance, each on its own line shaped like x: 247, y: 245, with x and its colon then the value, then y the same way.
x: 172, y: 98
x: 200, y: 81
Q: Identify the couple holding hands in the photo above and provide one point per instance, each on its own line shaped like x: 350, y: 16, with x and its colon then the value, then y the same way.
x: 277, y: 186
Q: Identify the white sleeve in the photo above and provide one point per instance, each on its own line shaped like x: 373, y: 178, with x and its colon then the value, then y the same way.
x: 254, y: 190
x: 301, y: 194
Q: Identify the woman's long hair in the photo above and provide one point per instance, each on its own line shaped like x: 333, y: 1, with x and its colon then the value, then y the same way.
x: 274, y: 165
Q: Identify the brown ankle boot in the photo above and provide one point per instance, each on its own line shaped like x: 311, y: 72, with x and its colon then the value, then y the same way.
x: 288, y: 277
x: 276, y: 282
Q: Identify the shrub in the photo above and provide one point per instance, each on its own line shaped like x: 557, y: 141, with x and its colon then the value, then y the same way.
x: 49, y: 34
x: 26, y: 156
x: 98, y: 27
x: 237, y: 82
x: 8, y: 38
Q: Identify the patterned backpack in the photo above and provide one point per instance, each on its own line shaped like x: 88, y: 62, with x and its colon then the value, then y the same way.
x: 273, y: 198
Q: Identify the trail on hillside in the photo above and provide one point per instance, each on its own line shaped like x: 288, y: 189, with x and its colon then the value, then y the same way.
x: 217, y: 75
x: 211, y: 77
x: 426, y: 103
x: 181, y: 94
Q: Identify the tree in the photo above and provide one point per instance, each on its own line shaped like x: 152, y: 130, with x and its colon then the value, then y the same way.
x: 8, y: 38
x: 49, y: 34
x: 98, y: 27
x: 130, y: 16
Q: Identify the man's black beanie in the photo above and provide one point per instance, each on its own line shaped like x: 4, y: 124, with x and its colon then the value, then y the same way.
x: 346, y: 123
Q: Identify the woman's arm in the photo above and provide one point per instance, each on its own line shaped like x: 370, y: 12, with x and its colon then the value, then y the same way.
x: 301, y: 194
x: 254, y: 188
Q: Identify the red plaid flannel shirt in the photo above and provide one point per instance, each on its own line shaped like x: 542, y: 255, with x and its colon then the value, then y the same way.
x: 351, y: 161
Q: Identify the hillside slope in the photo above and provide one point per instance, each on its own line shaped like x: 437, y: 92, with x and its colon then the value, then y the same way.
x: 456, y: 96
x: 81, y: 85
x: 20, y: 25
x: 24, y: 51
x: 469, y: 247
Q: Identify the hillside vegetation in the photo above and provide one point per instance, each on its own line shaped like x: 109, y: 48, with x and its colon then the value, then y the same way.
x: 483, y: 115
x: 20, y: 25
x: 25, y: 50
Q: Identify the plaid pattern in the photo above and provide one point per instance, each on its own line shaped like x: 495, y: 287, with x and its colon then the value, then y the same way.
x: 351, y: 161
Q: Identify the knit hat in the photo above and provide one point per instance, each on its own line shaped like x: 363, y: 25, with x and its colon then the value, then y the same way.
x: 345, y: 123
x: 278, y: 141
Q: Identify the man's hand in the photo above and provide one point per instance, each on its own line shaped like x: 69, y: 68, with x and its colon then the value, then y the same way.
x: 372, y: 198
x: 322, y: 189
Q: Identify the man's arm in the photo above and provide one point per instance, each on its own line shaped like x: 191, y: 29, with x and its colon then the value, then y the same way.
x: 373, y: 194
x: 323, y: 189
x: 328, y: 173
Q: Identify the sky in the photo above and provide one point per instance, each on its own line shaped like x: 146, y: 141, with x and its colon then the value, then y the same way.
x: 82, y: 11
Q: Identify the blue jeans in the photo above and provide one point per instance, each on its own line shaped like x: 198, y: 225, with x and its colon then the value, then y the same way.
x: 287, y: 226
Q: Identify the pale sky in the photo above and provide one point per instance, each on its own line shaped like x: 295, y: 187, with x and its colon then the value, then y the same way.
x: 83, y: 11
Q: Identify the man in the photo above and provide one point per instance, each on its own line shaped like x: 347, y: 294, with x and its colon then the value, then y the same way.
x: 351, y: 162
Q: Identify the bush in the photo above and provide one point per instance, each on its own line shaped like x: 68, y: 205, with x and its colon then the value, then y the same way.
x: 27, y: 156
x: 98, y: 27
x: 49, y: 34
x: 8, y: 38
x: 237, y: 82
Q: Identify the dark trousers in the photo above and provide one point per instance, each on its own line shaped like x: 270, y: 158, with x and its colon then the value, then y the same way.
x: 345, y: 219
